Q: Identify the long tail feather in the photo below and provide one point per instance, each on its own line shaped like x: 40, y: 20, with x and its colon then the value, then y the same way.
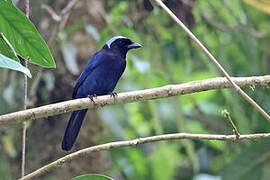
x: 73, y: 128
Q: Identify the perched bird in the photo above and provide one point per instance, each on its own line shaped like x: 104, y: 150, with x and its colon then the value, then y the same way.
x: 99, y: 77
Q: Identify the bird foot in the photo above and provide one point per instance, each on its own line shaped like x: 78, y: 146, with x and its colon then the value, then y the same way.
x: 113, y: 94
x: 91, y: 97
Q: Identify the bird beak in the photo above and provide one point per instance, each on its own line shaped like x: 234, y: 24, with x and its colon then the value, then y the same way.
x: 134, y: 45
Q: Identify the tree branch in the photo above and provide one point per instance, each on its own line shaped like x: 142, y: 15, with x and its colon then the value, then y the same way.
x: 228, y: 117
x: 134, y: 96
x: 69, y: 6
x: 81, y: 153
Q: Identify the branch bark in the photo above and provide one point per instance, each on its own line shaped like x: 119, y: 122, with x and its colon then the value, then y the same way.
x: 81, y: 153
x: 134, y: 96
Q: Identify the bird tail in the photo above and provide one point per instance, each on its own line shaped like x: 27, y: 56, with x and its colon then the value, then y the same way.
x: 73, y: 128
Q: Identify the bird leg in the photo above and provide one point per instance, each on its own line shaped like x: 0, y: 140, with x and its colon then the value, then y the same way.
x: 113, y: 94
x: 91, y: 97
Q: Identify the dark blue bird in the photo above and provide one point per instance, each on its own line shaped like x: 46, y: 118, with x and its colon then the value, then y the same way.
x: 99, y: 77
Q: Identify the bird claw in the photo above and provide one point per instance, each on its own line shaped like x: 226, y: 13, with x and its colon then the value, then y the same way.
x: 91, y: 97
x: 113, y: 94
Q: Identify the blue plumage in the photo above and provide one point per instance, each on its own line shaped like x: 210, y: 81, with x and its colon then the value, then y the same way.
x: 99, y: 77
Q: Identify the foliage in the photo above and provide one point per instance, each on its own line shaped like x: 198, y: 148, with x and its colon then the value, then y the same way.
x: 176, y: 60
x: 23, y: 35
x: 6, y: 62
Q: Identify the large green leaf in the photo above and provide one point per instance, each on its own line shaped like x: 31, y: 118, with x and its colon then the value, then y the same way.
x: 6, y: 62
x: 23, y: 35
x: 92, y: 177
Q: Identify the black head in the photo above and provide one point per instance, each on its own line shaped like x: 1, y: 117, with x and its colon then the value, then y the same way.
x: 120, y: 45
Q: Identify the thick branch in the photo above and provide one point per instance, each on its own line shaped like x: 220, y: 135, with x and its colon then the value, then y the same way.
x: 128, y: 97
x: 82, y: 153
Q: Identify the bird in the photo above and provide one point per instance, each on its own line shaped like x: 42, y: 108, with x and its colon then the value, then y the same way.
x: 99, y: 77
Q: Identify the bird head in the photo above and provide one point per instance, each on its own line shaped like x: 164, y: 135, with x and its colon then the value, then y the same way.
x: 121, y: 45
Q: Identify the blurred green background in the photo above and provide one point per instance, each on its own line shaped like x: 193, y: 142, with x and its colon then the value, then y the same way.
x: 236, y: 32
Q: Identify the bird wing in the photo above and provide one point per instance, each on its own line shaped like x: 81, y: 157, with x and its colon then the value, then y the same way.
x: 92, y: 64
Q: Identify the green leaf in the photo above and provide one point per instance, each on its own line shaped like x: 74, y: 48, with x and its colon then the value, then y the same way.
x: 23, y: 35
x: 9, y: 1
x: 6, y: 62
x: 92, y: 177
x: 6, y: 48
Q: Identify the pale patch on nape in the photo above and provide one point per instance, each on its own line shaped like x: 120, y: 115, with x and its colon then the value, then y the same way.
x: 108, y: 43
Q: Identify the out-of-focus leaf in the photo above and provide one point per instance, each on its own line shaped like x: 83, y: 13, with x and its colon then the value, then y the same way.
x: 5, y: 169
x: 130, y: 33
x: 74, y: 27
x: 92, y: 30
x: 92, y: 177
x: 137, y: 158
x: 112, y: 116
x: 195, y: 127
x: 69, y: 52
x: 255, y: 173
x: 246, y: 161
x: 6, y: 62
x: 220, y: 145
x: 9, y: 146
x: 137, y: 120
x: 23, y: 35
x: 163, y: 161
x: 206, y: 177
x: 49, y: 79
x: 142, y: 66
x: 116, y: 15
x: 263, y: 6
x: 9, y: 94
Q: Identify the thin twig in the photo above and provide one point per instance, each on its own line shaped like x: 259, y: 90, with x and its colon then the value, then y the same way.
x: 53, y: 14
x: 228, y: 117
x: 64, y: 11
x: 127, y: 97
x: 27, y: 8
x: 213, y: 59
x: 24, y: 123
x: 82, y: 153
x: 23, y: 147
x: 27, y: 13
x: 69, y: 6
